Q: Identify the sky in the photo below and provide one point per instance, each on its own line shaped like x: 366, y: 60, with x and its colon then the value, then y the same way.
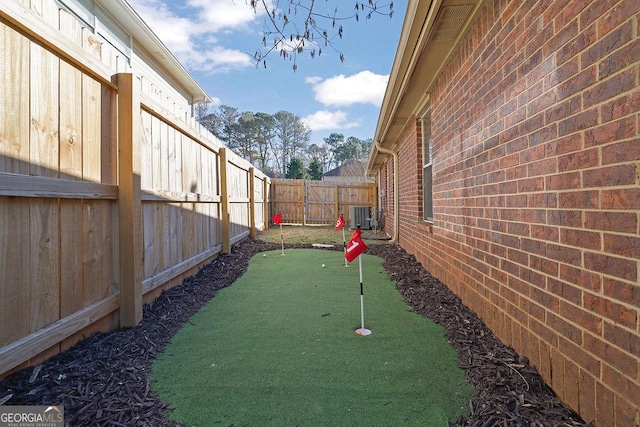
x: 215, y: 40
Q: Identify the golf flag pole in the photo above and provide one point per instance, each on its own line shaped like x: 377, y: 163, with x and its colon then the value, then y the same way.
x: 282, y: 240
x: 277, y: 220
x: 344, y: 245
x: 355, y: 249
x: 362, y: 330
x: 340, y: 225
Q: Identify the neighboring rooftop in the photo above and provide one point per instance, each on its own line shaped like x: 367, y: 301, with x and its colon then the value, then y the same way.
x: 352, y: 171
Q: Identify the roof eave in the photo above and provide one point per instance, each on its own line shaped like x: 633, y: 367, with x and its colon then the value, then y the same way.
x: 417, y: 64
x: 130, y: 21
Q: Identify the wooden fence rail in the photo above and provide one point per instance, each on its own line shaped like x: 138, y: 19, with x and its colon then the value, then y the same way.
x: 106, y: 199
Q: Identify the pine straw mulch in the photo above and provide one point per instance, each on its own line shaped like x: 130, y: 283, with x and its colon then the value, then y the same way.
x: 103, y: 381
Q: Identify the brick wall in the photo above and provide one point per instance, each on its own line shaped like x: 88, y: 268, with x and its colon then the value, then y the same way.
x: 536, y: 173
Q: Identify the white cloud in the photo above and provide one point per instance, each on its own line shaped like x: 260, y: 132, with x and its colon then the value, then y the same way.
x: 194, y: 40
x: 217, y: 15
x: 329, y: 120
x: 219, y: 59
x: 173, y: 30
x: 312, y: 80
x: 364, y: 87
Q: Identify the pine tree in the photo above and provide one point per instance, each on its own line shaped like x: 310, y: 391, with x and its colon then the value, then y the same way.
x: 296, y: 170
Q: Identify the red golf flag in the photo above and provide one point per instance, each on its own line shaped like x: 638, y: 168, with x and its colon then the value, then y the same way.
x: 356, y: 246
x: 277, y: 219
x: 339, y: 223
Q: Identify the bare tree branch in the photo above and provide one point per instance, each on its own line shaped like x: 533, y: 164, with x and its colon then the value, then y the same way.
x: 298, y: 27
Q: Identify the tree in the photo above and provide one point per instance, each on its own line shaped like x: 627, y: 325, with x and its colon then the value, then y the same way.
x: 352, y: 148
x: 246, y: 136
x: 264, y: 125
x: 296, y: 170
x: 315, y: 170
x: 297, y: 27
x: 223, y: 123
x: 201, y: 110
x: 271, y: 142
x: 334, y: 141
x: 227, y: 130
x: 291, y: 137
x: 322, y: 154
x: 210, y: 121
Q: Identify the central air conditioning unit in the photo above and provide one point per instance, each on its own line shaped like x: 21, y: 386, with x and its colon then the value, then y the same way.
x: 360, y: 216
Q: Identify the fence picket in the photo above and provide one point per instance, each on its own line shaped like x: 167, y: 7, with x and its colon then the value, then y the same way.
x: 308, y: 202
x: 106, y: 198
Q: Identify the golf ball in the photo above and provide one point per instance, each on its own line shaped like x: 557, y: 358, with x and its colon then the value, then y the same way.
x: 264, y: 255
x: 323, y: 265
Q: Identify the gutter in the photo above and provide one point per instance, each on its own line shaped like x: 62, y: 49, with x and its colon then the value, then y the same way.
x: 396, y: 183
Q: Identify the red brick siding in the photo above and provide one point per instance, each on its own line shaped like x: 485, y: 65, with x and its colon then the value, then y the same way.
x: 535, y: 124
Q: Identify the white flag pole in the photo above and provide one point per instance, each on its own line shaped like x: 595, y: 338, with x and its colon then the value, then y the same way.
x: 362, y: 331
x: 344, y: 244
x: 282, y: 239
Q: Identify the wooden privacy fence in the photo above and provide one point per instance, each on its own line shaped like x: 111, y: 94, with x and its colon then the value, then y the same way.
x: 309, y: 202
x: 105, y: 199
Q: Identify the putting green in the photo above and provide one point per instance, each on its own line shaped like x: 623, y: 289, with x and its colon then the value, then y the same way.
x: 278, y: 348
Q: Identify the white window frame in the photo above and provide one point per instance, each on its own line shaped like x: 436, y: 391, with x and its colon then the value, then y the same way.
x: 100, y: 24
x: 427, y: 168
x: 81, y: 9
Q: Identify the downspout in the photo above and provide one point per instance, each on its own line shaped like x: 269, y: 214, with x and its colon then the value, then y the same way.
x: 396, y: 183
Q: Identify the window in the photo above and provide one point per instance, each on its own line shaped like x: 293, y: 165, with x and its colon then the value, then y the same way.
x: 113, y: 34
x: 427, y: 164
x: 100, y: 24
x: 81, y: 9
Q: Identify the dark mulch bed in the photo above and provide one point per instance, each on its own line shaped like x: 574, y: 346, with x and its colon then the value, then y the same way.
x: 103, y: 379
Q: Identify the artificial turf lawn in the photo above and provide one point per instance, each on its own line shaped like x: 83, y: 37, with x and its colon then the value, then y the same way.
x: 278, y: 348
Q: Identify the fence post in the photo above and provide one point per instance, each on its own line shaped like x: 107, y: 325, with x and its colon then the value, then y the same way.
x: 252, y: 203
x: 304, y: 203
x: 265, y: 202
x: 224, y: 202
x: 129, y: 201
